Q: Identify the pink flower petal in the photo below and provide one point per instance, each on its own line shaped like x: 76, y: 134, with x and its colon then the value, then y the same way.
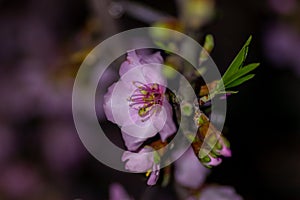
x: 138, y: 162
x: 132, y: 61
x: 169, y: 127
x: 132, y: 143
x: 107, y: 105
x: 153, y: 74
x: 154, y: 175
x: 154, y: 58
x: 119, y: 103
x: 159, y: 119
x: 140, y: 131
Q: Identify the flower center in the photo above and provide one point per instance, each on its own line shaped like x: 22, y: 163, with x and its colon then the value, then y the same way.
x: 147, y: 99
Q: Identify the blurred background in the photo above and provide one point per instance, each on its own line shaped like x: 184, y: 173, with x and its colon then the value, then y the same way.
x: 43, y: 43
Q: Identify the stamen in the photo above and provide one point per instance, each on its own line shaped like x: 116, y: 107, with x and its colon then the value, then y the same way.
x: 145, y: 99
x: 152, y: 113
x: 148, y: 172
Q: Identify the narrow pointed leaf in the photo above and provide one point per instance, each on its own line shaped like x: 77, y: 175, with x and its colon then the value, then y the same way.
x: 240, y: 81
x: 241, y: 72
x: 238, y: 60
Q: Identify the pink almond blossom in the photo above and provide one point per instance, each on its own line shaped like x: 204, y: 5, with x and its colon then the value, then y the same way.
x: 137, y: 102
x: 216, y: 192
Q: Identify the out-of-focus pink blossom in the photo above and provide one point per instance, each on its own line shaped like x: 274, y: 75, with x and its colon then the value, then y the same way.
x: 282, y: 45
x: 216, y: 193
x: 31, y: 91
x: 219, y: 193
x: 62, y: 148
x: 282, y: 6
x: 7, y: 143
x: 117, y: 192
x: 19, y: 181
x: 137, y: 102
x: 189, y: 171
x: 280, y: 42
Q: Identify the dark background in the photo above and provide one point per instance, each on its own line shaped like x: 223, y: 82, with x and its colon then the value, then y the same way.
x: 42, y: 45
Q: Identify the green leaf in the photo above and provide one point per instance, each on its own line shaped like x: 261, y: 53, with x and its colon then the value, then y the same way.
x: 238, y: 60
x: 240, y: 81
x: 241, y: 72
x: 228, y: 92
x: 235, y: 75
